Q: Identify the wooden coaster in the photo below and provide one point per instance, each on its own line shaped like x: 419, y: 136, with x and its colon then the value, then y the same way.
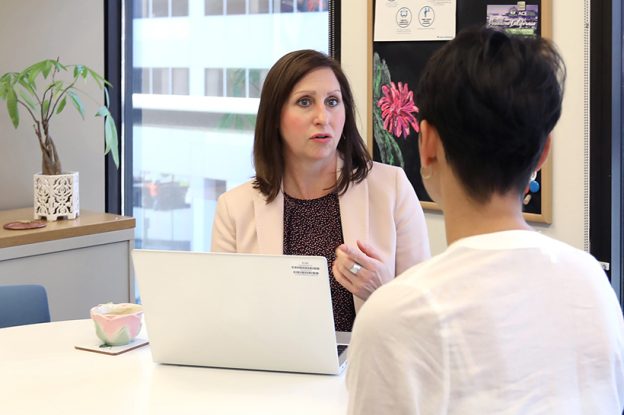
x: 21, y: 225
x: 97, y: 347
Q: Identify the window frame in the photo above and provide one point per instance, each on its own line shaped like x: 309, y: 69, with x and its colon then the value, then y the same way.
x: 606, y: 232
x: 118, y: 65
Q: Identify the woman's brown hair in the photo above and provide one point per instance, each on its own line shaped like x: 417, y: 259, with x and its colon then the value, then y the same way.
x: 268, y: 146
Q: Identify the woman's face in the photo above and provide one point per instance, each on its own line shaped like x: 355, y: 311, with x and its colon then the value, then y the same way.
x: 313, y: 117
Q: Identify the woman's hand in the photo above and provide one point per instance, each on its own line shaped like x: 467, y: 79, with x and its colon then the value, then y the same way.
x: 363, y: 280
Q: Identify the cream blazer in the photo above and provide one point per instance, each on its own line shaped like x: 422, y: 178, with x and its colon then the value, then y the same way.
x: 382, y: 210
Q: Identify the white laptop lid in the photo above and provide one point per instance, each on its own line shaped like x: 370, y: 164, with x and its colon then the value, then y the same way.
x: 264, y: 312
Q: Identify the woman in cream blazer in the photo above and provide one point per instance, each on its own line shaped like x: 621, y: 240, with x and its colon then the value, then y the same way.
x: 382, y: 209
x: 307, y: 146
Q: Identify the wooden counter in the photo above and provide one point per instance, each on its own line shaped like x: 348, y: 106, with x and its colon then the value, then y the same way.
x: 81, y: 262
x: 86, y: 224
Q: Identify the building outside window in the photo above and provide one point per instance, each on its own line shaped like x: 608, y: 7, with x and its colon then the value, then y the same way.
x: 198, y: 68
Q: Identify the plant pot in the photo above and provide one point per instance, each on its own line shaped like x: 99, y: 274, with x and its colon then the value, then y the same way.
x: 56, y: 196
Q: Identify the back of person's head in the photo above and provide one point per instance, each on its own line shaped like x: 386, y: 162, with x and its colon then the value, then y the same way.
x: 268, y: 146
x: 494, y: 99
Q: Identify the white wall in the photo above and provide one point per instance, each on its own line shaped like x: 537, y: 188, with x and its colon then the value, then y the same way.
x: 568, y: 219
x: 30, y: 31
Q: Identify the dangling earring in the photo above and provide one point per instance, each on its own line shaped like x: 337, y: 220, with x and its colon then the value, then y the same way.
x: 425, y: 172
x: 534, y: 185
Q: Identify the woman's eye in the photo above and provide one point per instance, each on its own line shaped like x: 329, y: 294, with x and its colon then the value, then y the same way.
x: 304, y: 102
x: 332, y: 101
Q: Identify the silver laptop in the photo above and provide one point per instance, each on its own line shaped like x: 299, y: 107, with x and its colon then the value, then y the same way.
x: 243, y: 311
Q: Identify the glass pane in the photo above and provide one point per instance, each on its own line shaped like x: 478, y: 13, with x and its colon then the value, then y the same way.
x: 140, y: 8
x: 235, y: 7
x: 256, y: 79
x: 180, y: 81
x: 214, y: 82
x: 141, y: 80
x: 259, y: 6
x: 213, y: 7
x: 161, y: 81
x: 235, y: 86
x: 179, y: 8
x: 196, y: 82
x: 160, y: 8
x: 283, y: 6
x: 311, y: 5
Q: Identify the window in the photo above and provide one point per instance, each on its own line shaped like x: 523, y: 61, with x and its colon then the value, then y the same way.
x: 163, y: 81
x: 160, y: 8
x: 213, y: 80
x: 213, y: 7
x: 283, y: 6
x: 142, y: 80
x: 196, y: 72
x: 606, y: 198
x: 179, y: 8
x: 180, y: 81
x: 256, y: 79
x: 259, y: 6
x: 236, y: 7
x: 235, y: 86
x: 160, y: 81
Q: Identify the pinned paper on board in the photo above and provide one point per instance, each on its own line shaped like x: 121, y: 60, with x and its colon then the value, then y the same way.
x: 414, y: 20
x: 397, y: 63
x: 515, y: 19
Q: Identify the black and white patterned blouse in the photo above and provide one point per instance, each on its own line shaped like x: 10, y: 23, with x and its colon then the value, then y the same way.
x: 313, y: 227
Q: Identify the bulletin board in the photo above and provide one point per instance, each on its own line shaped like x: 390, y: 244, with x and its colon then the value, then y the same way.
x: 403, y: 61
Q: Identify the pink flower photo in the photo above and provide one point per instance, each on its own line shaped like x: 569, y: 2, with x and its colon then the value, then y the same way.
x: 398, y: 109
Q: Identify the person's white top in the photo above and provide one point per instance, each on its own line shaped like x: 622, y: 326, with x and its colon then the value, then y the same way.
x: 42, y: 373
x: 504, y: 323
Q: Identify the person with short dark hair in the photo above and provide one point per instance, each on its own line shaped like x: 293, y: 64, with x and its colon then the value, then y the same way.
x: 506, y: 320
x: 316, y: 190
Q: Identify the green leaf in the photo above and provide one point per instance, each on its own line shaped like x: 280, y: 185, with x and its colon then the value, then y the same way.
x: 389, y: 150
x: 59, y: 66
x: 75, y: 99
x: 47, y: 67
x: 45, y: 106
x: 58, y: 86
x: 39, y: 93
x: 61, y: 105
x: 6, y: 82
x: 102, y: 112
x: 99, y: 80
x: 106, y: 97
x: 110, y: 134
x: 28, y: 85
x: 12, y: 107
x: 27, y: 98
x: 34, y: 68
x: 80, y: 71
x: 3, y: 89
x: 5, y: 78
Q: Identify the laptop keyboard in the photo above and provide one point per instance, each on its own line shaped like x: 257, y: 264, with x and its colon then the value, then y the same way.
x: 341, y: 348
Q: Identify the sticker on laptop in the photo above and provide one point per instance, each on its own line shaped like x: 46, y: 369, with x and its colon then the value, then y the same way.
x: 305, y: 269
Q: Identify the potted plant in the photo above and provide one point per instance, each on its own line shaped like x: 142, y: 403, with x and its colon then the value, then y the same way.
x: 43, y: 91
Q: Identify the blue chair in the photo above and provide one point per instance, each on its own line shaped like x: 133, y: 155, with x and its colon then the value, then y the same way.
x: 23, y: 304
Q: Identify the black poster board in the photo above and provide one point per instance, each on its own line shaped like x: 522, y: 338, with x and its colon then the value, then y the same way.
x: 402, y: 61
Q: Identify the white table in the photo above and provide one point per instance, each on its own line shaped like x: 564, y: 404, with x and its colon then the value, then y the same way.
x: 41, y: 372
